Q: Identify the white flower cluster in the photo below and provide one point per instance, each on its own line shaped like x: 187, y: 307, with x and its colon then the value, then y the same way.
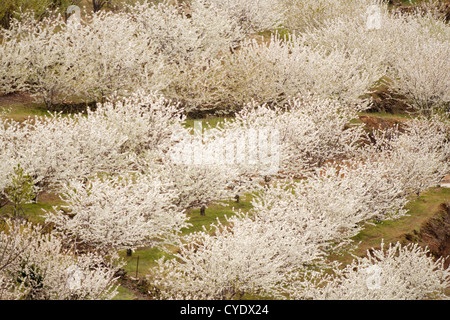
x: 128, y: 169
x: 36, y: 265
x: 295, y: 225
x: 207, y: 56
x: 398, y: 272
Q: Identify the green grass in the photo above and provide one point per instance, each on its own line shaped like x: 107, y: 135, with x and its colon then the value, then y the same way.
x: 34, y: 211
x: 21, y: 111
x: 216, y: 211
x: 387, y: 115
x: 141, y: 260
x: 124, y: 294
x: 206, y: 122
x: 419, y: 211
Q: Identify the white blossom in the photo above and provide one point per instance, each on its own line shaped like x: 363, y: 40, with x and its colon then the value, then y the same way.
x: 117, y: 213
x: 393, y: 272
x: 35, y: 264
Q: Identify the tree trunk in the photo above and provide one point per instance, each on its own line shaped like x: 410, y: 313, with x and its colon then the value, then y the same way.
x: 202, y: 210
x: 98, y: 4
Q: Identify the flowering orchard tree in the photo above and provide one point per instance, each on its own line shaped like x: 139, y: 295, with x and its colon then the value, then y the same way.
x: 115, y: 56
x: 417, y: 155
x: 6, y: 169
x: 247, y: 255
x: 47, y: 63
x: 341, y: 196
x: 54, y: 149
x: 415, y: 36
x: 36, y: 265
x: 149, y: 122
x: 304, y: 15
x: 309, y: 131
x: 297, y: 224
x: 253, y: 15
x: 112, y: 138
x: 90, y: 59
x: 396, y: 45
x: 190, y: 45
x: 218, y: 163
x: 378, y: 182
x: 198, y: 185
x: 204, y: 58
x: 278, y: 69
x: 398, y: 272
x: 289, y: 228
x: 117, y: 213
x: 427, y: 84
